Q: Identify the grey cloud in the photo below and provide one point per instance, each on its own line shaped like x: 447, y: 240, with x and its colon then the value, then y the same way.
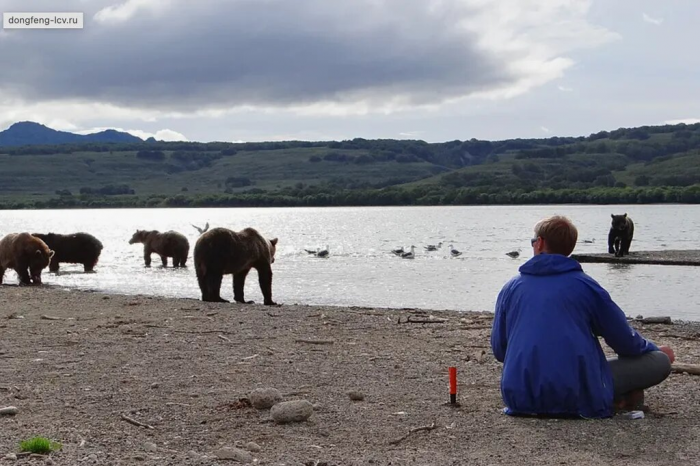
x: 220, y: 53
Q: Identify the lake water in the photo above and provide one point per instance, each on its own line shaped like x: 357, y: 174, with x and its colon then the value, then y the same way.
x: 362, y: 271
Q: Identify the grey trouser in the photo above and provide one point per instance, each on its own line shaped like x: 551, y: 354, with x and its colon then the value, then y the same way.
x: 640, y: 372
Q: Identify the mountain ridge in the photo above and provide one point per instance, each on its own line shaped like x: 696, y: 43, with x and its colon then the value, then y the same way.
x: 26, y: 133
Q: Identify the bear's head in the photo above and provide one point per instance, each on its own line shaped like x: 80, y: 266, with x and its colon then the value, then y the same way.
x: 273, y: 250
x: 138, y: 237
x: 39, y: 260
x: 619, y: 222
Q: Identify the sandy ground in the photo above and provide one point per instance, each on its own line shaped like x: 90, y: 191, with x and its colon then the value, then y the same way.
x: 183, y: 366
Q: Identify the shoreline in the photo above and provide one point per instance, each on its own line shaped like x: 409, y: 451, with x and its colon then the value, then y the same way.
x: 78, y: 360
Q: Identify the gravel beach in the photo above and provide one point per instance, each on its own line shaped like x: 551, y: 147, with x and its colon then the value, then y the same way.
x: 124, y: 380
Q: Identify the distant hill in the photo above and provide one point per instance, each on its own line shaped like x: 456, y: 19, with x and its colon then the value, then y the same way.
x: 30, y: 133
x: 648, y: 164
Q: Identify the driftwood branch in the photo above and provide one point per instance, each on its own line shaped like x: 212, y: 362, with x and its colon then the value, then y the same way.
x: 695, y: 337
x: 135, y: 422
x: 410, y: 320
x: 224, y: 338
x: 689, y: 368
x: 656, y: 320
x: 412, y: 431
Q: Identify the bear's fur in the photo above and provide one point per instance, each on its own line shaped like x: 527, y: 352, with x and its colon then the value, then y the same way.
x: 76, y: 248
x: 620, y: 236
x: 221, y: 251
x: 168, y: 244
x: 25, y: 254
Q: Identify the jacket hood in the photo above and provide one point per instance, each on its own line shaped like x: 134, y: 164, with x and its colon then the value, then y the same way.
x: 549, y: 264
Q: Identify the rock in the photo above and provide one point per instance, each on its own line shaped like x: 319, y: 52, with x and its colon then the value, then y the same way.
x: 194, y: 455
x: 265, y: 398
x: 155, y: 385
x: 9, y: 411
x: 150, y: 446
x: 252, y: 446
x: 235, y: 454
x: 356, y: 396
x: 49, y: 462
x: 291, y: 411
x: 11, y: 457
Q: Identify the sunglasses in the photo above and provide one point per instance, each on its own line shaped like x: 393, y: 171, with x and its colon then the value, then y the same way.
x: 533, y: 241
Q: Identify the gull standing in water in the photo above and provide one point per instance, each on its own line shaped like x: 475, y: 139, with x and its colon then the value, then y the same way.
x: 454, y: 252
x: 398, y: 251
x: 409, y: 255
x: 513, y: 254
x: 432, y: 247
x: 322, y: 253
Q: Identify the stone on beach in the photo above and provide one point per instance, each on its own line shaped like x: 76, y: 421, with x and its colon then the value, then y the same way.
x: 291, y: 411
x: 264, y: 398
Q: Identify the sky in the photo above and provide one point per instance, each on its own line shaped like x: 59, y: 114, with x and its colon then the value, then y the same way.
x: 435, y: 70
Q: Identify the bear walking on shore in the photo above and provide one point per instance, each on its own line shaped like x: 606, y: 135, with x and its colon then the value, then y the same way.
x: 27, y: 255
x: 620, y: 236
x: 221, y: 251
x: 168, y: 244
x: 76, y: 248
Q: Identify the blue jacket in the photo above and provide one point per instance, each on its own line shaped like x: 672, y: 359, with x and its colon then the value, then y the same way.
x: 545, y: 332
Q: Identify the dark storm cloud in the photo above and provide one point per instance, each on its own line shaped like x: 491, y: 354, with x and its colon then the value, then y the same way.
x: 184, y: 55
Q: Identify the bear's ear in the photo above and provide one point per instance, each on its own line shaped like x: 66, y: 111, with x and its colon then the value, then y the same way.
x: 274, y: 241
x: 625, y: 215
x: 612, y: 215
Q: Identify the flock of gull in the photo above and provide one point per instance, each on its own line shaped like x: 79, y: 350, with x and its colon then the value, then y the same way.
x: 410, y: 253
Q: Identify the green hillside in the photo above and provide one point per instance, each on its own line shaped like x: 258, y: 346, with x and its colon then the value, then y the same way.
x: 647, y: 164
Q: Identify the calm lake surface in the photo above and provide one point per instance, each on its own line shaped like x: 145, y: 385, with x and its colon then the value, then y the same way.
x: 362, y: 271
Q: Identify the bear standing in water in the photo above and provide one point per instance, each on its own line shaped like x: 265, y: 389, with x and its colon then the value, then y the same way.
x: 25, y: 254
x: 221, y: 251
x: 168, y: 244
x: 620, y: 236
x: 76, y: 248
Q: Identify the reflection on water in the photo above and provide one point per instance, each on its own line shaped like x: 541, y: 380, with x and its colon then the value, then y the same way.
x: 361, y: 269
x: 619, y: 267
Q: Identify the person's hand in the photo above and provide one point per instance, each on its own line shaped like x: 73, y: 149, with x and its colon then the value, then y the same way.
x: 669, y: 352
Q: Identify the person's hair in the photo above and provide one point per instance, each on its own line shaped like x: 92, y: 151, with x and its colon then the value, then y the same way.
x: 558, y: 233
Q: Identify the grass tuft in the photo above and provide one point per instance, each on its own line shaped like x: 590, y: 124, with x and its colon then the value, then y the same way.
x: 39, y: 445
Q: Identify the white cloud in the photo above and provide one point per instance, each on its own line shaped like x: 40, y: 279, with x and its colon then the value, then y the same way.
x: 687, y: 121
x: 649, y: 19
x: 565, y: 89
x: 126, y: 10
x: 175, y: 56
x: 544, y: 129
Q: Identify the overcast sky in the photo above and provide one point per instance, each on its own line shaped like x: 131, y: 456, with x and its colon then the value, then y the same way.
x: 437, y: 70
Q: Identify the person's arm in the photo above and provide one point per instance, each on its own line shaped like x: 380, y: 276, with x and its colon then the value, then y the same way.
x: 611, y: 324
x: 499, y: 339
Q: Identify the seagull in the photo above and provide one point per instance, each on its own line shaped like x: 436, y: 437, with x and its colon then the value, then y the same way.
x: 399, y: 251
x: 409, y: 255
x: 432, y: 247
x: 318, y: 252
x: 202, y: 230
x: 454, y: 252
x: 513, y: 254
x: 589, y: 241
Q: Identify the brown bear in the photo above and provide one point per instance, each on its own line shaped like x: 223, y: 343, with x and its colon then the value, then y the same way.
x: 221, y: 251
x: 25, y: 254
x: 168, y: 244
x: 76, y: 248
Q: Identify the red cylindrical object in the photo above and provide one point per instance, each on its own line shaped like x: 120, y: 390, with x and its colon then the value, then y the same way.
x: 453, y: 385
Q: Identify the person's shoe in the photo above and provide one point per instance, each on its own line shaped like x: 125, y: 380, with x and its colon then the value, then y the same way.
x: 631, y: 401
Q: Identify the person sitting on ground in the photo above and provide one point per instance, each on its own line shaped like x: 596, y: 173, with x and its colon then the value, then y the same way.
x: 545, y: 331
